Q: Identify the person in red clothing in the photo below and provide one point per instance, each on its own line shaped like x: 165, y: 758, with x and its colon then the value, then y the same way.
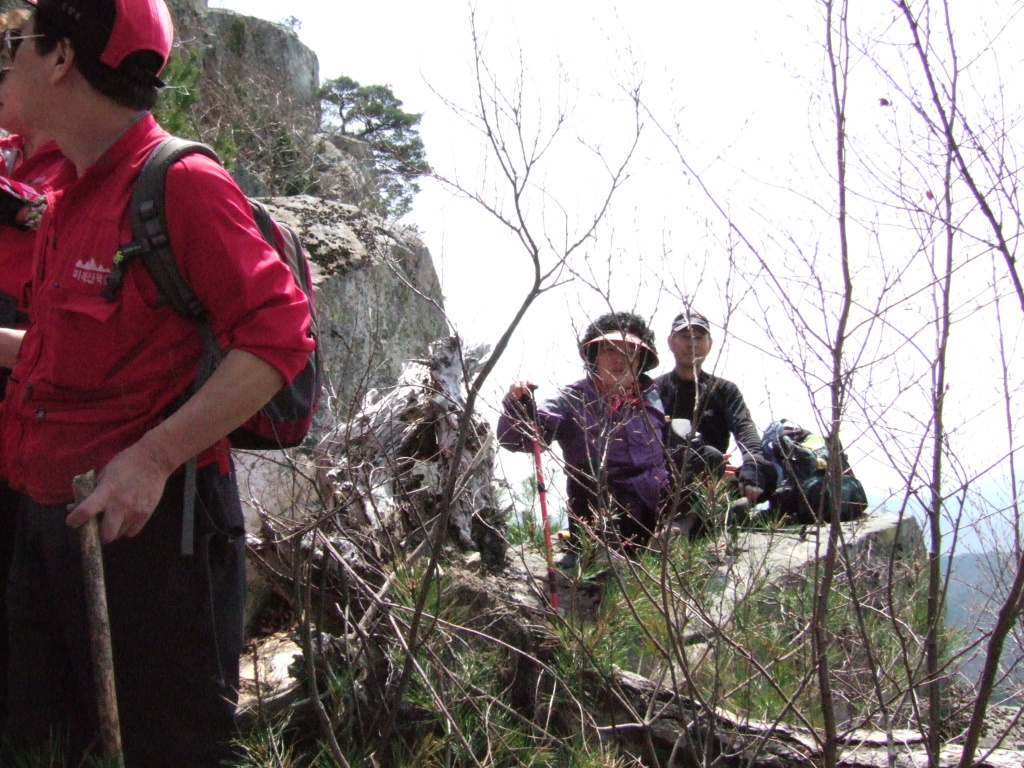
x: 29, y: 156
x: 105, y: 383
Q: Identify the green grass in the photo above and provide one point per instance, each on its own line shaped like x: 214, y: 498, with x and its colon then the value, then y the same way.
x: 471, y: 701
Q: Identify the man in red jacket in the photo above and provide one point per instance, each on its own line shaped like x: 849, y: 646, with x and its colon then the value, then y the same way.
x: 103, y: 383
x: 30, y: 157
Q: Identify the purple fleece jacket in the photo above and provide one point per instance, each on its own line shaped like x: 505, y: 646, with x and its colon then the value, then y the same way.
x: 621, y: 453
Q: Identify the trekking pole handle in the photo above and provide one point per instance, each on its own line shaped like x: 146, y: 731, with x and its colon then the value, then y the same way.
x: 521, y: 392
x: 531, y: 404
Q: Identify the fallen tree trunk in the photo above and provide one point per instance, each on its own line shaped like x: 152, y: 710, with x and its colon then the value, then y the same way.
x: 381, y: 472
x: 652, y: 721
x: 380, y: 478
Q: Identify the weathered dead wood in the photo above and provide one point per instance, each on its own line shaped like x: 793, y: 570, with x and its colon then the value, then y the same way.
x: 381, y: 476
x: 643, y: 715
x: 505, y: 611
x: 383, y: 470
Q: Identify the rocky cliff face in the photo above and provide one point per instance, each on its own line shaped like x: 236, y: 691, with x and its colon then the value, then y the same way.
x: 257, y: 97
x: 378, y: 304
x: 378, y: 296
x: 268, y: 51
x: 379, y: 299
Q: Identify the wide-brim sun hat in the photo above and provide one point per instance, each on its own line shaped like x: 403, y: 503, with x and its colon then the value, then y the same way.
x: 620, y: 339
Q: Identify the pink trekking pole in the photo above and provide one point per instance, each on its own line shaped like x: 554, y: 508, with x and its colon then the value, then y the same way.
x: 543, y: 495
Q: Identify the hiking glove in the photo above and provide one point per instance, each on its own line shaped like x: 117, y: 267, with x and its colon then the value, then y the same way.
x: 752, y: 492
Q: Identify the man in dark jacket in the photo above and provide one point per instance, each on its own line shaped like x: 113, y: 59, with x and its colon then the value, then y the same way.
x: 705, y: 411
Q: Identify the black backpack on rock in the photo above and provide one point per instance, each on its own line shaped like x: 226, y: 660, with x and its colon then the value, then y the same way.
x: 801, y: 463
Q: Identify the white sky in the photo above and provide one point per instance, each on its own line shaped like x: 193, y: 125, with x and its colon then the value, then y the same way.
x: 743, y: 85
x: 424, y: 51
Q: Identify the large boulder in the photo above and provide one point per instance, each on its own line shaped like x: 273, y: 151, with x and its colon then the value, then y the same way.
x: 345, y: 169
x: 378, y: 304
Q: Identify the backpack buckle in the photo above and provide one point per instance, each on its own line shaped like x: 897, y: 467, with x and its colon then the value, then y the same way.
x: 124, y: 256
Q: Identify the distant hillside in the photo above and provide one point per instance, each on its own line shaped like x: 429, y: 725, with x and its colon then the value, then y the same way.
x: 977, y: 585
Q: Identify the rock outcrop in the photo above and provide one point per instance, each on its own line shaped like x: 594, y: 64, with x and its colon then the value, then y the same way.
x: 344, y: 168
x: 271, y: 52
x: 267, y: 51
x: 379, y: 304
x: 257, y: 96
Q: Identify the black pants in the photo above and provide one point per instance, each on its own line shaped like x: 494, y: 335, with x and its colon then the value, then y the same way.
x: 693, y: 462
x: 8, y: 513
x: 176, y: 630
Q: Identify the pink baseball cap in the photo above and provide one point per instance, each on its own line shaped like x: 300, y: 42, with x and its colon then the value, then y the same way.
x: 138, y: 25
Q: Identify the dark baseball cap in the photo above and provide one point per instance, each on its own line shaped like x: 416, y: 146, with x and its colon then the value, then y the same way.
x: 136, y: 25
x: 690, y: 319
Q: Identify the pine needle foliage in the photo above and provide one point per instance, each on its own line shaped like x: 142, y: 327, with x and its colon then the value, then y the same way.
x: 374, y: 115
x: 477, y: 698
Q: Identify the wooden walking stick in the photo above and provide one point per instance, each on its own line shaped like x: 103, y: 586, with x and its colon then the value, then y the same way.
x: 99, y: 627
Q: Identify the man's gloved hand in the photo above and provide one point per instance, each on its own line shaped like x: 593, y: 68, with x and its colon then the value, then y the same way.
x: 750, y: 491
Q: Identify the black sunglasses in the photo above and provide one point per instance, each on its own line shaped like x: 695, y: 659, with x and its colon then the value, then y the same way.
x: 12, y: 41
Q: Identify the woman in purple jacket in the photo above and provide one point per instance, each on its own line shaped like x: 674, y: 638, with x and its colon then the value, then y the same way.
x: 611, y: 429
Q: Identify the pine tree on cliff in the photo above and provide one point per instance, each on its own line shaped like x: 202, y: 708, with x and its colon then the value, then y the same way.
x: 372, y: 114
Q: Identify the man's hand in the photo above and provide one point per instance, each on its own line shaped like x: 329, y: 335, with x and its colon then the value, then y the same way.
x: 127, y: 491
x: 10, y: 344
x: 751, y: 492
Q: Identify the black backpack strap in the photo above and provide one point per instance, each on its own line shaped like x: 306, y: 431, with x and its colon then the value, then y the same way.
x: 264, y: 222
x: 150, y: 238
x: 151, y: 241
